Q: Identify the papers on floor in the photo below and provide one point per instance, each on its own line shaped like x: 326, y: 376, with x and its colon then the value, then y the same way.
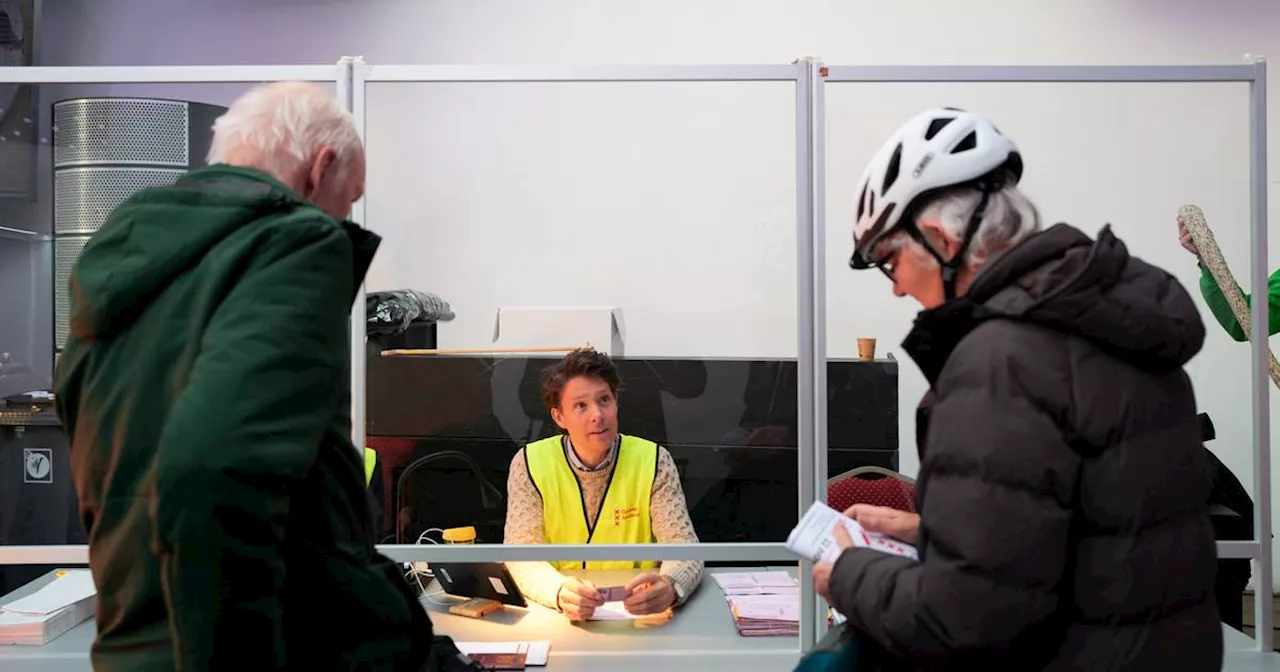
x: 59, y: 606
x: 762, y: 603
x: 813, y: 538
x: 756, y: 583
x: 536, y: 653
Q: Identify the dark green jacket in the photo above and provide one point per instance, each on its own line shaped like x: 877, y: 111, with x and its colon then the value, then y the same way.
x: 205, y: 390
x: 1222, y: 310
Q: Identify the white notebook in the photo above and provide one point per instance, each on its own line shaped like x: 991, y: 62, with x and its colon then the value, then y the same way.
x: 38, y: 618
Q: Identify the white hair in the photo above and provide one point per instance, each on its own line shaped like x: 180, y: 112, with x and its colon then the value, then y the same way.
x: 280, y: 126
x: 1010, y: 217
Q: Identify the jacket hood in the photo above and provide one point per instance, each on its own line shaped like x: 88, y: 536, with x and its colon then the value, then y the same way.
x: 159, y: 233
x: 1093, y: 289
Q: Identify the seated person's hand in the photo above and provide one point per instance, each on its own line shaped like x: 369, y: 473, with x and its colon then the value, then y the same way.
x: 900, y: 525
x: 650, y: 594
x: 578, y: 598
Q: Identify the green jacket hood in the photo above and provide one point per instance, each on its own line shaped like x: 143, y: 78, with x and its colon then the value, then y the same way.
x: 157, y: 234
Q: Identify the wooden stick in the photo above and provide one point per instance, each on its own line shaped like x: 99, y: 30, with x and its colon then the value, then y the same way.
x: 479, y: 351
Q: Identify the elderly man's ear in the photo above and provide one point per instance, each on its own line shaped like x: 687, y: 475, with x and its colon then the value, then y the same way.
x: 321, y: 171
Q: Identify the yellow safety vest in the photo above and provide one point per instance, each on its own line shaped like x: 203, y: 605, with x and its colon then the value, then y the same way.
x: 624, y: 513
x: 370, y: 460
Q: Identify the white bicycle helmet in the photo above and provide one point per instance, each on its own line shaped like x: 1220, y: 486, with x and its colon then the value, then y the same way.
x: 936, y: 150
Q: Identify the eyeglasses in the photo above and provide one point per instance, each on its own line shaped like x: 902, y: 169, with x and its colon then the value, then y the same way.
x: 887, y: 262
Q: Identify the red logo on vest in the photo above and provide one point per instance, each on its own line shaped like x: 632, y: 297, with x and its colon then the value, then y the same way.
x: 621, y: 516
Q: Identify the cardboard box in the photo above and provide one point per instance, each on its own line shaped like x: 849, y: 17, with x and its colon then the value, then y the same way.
x: 560, y: 326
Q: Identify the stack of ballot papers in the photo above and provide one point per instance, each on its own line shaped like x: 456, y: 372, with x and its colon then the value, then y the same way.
x: 766, y: 615
x: 38, y: 618
x: 814, y: 536
x: 762, y: 603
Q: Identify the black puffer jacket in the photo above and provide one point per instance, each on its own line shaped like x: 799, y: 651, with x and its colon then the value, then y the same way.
x: 1063, y: 482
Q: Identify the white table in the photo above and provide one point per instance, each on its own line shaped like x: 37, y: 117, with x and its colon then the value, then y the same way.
x: 700, y: 637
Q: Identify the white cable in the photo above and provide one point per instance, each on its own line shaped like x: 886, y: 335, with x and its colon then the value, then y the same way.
x: 421, y: 538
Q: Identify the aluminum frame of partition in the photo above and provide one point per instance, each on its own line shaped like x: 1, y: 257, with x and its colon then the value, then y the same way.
x: 351, y: 77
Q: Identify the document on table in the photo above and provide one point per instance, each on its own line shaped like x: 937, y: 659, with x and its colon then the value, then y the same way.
x: 756, y: 583
x: 612, y: 611
x: 59, y: 606
x: 62, y: 592
x: 813, y: 538
x: 536, y: 653
x: 767, y: 607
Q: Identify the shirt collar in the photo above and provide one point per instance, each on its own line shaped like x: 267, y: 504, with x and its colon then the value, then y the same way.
x: 576, y: 463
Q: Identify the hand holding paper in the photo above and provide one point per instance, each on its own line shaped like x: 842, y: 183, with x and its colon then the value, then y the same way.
x: 579, y: 599
x: 900, y: 525
x: 650, y: 594
x: 814, y: 536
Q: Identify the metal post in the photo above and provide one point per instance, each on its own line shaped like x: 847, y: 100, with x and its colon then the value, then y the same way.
x: 818, y: 196
x: 351, y: 95
x: 806, y: 332
x: 1258, y: 336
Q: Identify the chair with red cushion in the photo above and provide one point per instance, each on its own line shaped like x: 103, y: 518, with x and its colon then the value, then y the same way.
x: 872, y: 485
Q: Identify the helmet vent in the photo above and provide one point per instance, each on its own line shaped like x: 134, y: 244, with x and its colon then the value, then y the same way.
x: 891, y: 171
x: 862, y: 201
x: 937, y: 125
x: 969, y: 142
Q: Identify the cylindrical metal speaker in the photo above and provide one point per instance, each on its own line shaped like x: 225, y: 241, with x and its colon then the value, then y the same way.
x: 104, y: 151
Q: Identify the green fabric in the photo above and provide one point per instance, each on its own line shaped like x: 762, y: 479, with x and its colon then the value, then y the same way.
x: 205, y: 389
x: 1222, y: 310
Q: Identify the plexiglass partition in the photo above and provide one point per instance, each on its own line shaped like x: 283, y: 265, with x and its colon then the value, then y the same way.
x: 553, y: 206
x: 1095, y: 155
x: 471, y: 201
x: 79, y: 142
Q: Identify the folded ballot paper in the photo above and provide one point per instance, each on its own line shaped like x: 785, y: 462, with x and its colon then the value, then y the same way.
x: 59, y: 606
x: 814, y: 539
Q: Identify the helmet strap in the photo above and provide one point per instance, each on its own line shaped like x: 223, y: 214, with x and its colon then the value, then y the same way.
x: 950, y: 268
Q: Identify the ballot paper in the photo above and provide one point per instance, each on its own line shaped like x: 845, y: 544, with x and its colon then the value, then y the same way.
x: 536, y: 653
x: 612, y: 611
x: 756, y: 583
x: 813, y: 537
x: 767, y: 607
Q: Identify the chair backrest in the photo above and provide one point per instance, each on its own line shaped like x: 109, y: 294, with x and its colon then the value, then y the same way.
x: 876, y: 486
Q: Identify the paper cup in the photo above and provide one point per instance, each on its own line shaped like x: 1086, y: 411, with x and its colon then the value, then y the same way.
x: 866, y: 349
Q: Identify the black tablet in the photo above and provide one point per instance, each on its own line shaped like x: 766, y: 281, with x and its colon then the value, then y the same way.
x: 489, y: 580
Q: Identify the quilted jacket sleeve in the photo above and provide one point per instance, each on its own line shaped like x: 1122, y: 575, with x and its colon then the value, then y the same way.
x: 997, y: 483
